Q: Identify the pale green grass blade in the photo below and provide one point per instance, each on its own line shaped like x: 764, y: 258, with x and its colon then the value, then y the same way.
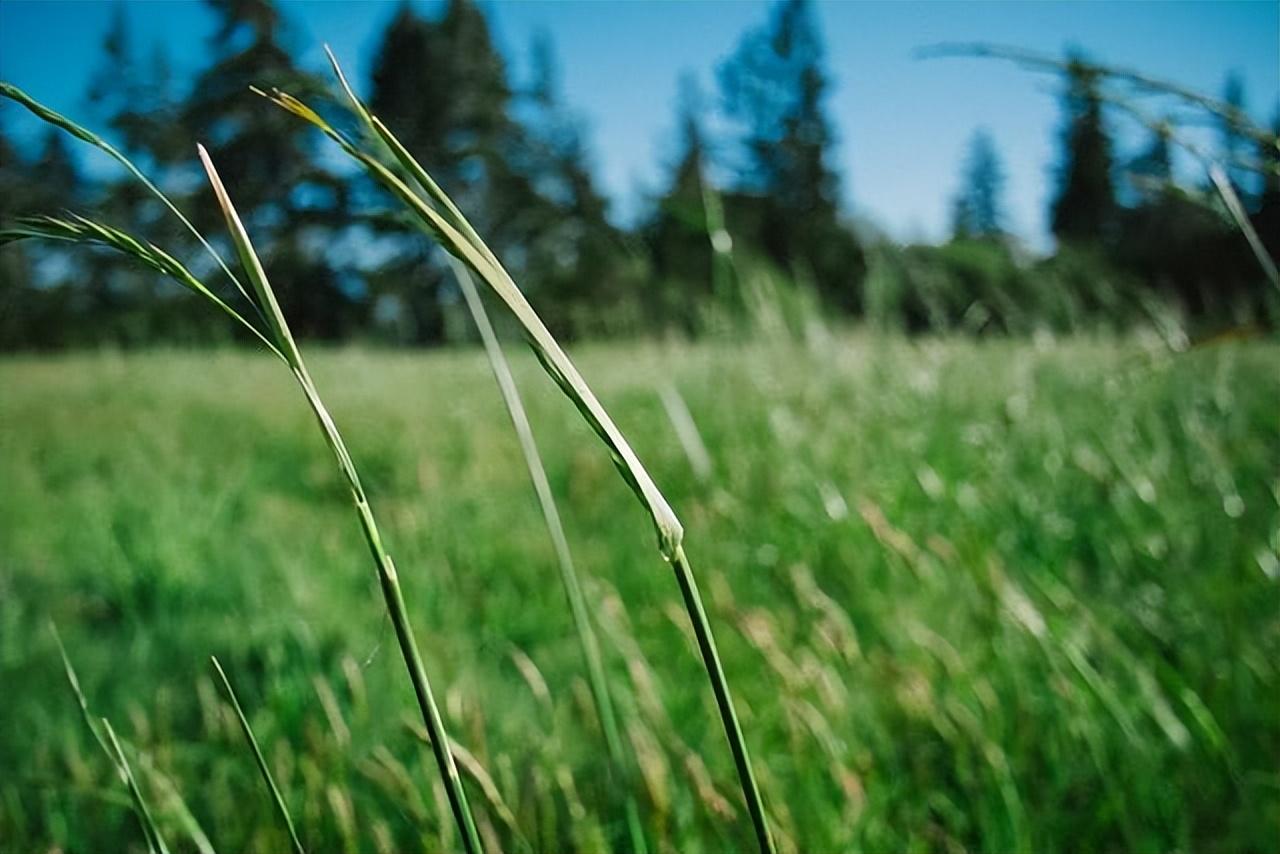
x: 111, y: 747
x: 74, y: 681
x: 468, y: 762
x: 481, y: 261
x: 1241, y: 217
x: 82, y: 133
x: 154, y: 840
x: 568, y: 572
x: 407, y: 162
x: 281, y: 806
x: 173, y: 804
x: 266, y: 298
x: 457, y: 239
x: 388, y: 578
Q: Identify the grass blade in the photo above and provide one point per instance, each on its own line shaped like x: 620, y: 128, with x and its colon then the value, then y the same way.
x: 154, y: 841
x: 568, y: 572
x: 281, y: 806
x: 473, y: 252
x: 470, y: 765
x: 1241, y: 217
x: 387, y: 576
x: 111, y: 747
x: 457, y: 237
x: 79, y: 229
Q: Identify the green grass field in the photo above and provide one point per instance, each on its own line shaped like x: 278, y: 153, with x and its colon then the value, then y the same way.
x: 1001, y: 596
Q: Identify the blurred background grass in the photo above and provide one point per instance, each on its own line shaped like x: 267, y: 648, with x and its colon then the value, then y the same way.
x: 993, y: 595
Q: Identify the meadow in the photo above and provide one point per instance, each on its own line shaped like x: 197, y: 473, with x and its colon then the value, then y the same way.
x: 996, y: 595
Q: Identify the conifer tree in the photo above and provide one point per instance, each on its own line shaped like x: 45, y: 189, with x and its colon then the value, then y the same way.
x: 1084, y: 207
x: 677, y: 231
x: 774, y: 87
x: 978, y: 210
x: 298, y: 207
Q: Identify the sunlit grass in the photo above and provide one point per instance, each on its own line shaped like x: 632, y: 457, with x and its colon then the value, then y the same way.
x: 993, y: 595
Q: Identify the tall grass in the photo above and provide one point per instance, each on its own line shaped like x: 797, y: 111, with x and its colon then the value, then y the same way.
x: 388, y: 578
x: 440, y: 218
x: 578, y: 607
x: 280, y: 342
x: 949, y: 570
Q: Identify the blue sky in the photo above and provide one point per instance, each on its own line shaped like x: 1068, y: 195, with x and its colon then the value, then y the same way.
x: 903, y: 123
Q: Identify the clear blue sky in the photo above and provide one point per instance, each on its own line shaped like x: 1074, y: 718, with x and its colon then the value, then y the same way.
x: 903, y: 123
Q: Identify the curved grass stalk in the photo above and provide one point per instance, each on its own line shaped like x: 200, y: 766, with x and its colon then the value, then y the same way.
x: 280, y: 342
x: 471, y: 766
x: 154, y: 840
x: 1236, y: 208
x: 441, y: 218
x: 387, y: 576
x: 568, y: 572
x: 79, y: 229
x: 281, y: 806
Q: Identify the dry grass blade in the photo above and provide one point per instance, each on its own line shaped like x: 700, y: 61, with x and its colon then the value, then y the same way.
x: 281, y: 806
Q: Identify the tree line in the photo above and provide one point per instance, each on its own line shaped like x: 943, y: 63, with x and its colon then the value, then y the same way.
x: 753, y: 216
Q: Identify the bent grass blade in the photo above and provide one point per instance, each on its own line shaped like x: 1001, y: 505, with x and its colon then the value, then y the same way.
x: 455, y: 234
x: 388, y: 578
x: 568, y: 572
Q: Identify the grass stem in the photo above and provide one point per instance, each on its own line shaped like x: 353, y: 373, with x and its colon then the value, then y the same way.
x: 281, y: 806
x: 587, y: 639
x: 724, y: 700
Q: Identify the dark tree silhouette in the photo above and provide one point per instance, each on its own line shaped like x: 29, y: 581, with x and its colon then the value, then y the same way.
x: 774, y: 87
x: 1084, y: 207
x: 678, y: 231
x: 977, y: 210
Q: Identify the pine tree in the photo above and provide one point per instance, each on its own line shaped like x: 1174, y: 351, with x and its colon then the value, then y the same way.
x: 978, y: 211
x: 441, y: 86
x: 573, y: 252
x: 774, y: 87
x: 297, y: 208
x: 261, y: 152
x: 1154, y: 166
x: 677, y: 231
x: 1084, y: 209
x: 18, y: 294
